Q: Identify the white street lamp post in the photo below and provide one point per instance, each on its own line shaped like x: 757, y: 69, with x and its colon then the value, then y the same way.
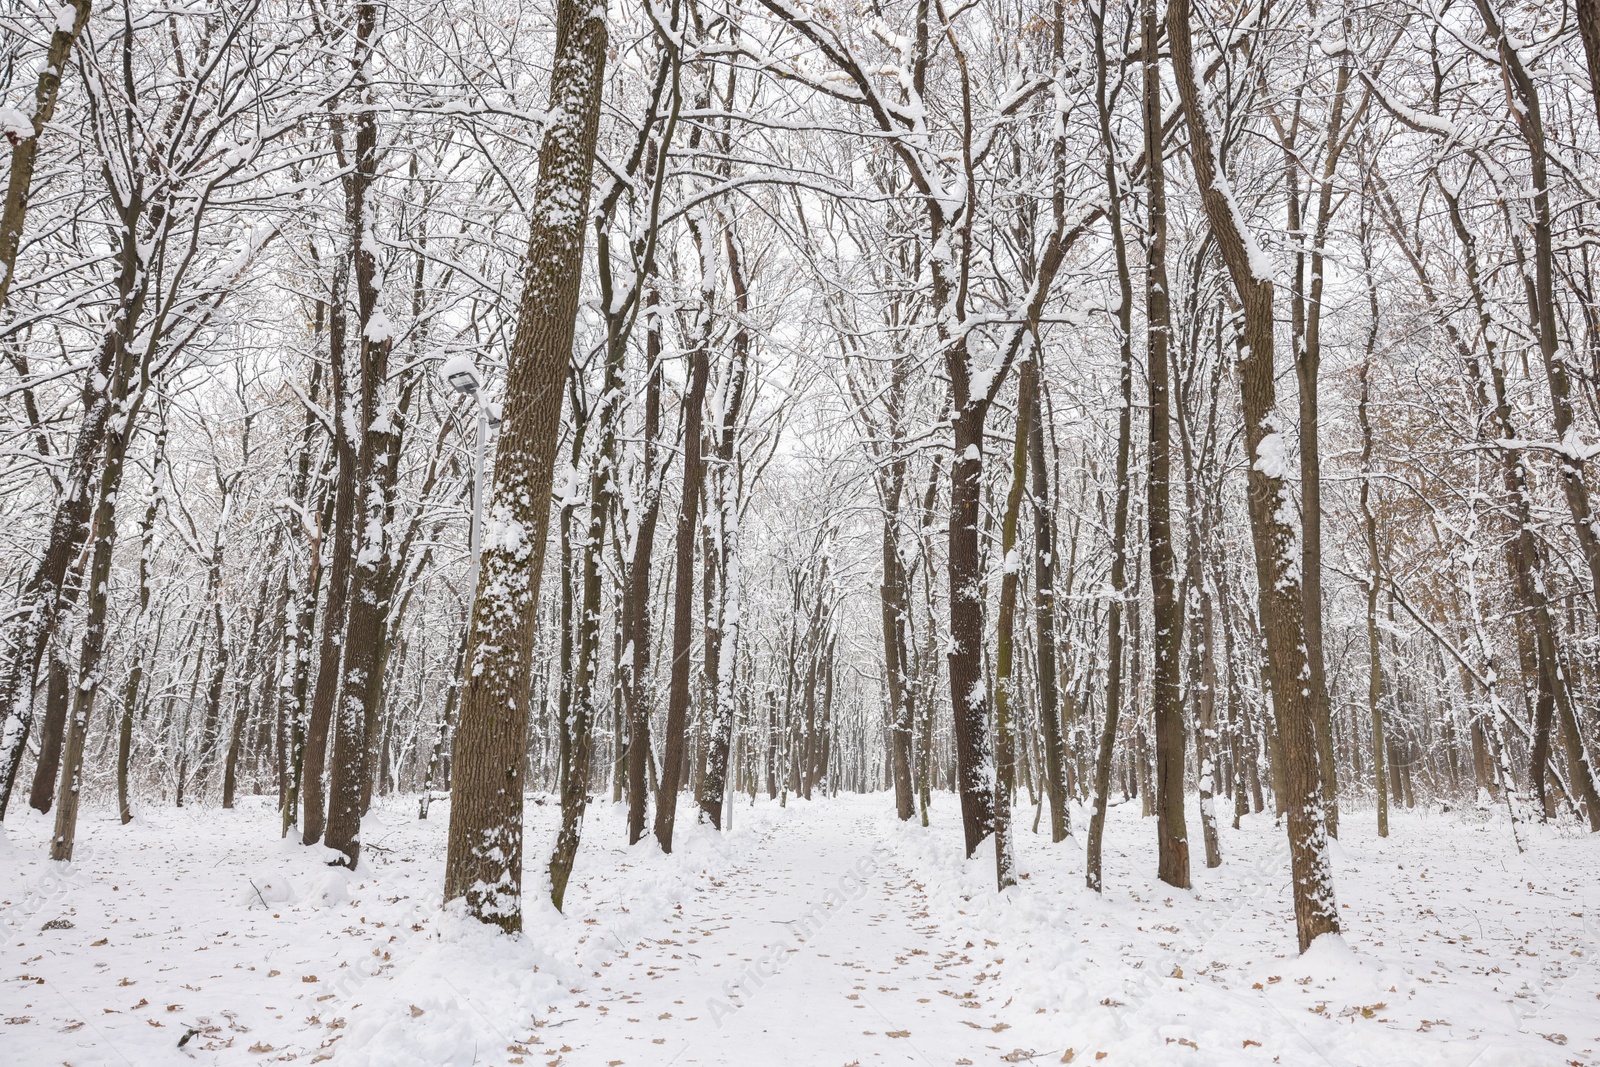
x: 462, y: 376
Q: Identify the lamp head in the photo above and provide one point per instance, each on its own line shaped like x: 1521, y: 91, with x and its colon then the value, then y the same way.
x: 461, y: 375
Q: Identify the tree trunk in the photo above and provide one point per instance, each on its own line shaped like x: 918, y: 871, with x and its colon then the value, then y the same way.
x: 49, y: 592
x: 1044, y: 593
x: 484, y: 860
x: 1370, y: 525
x: 1589, y: 28
x: 335, y: 607
x: 1119, y: 534
x: 365, y: 622
x: 636, y: 597
x: 1011, y: 576
x: 1279, y: 591
x: 1308, y: 362
x: 125, y: 397
x: 673, y: 751
x: 1172, y: 831
x: 52, y: 733
x: 725, y: 497
x: 968, y: 697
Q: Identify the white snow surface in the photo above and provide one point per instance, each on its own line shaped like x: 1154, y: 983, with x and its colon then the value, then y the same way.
x: 821, y: 933
x: 15, y: 124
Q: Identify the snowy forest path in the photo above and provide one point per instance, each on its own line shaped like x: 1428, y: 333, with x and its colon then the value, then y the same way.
x: 817, y: 949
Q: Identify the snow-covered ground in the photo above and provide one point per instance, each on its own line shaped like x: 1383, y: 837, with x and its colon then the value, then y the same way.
x: 818, y: 934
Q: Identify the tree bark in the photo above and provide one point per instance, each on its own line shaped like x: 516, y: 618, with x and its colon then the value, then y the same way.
x: 673, y: 751
x: 50, y: 591
x: 125, y: 397
x: 58, y: 697
x: 1369, y: 524
x: 335, y: 607
x: 484, y: 857
x: 725, y: 497
x: 364, y: 650
x: 1119, y: 534
x: 1005, y: 624
x: 1172, y: 831
x: 1278, y: 582
x: 1044, y: 593
x: 636, y: 597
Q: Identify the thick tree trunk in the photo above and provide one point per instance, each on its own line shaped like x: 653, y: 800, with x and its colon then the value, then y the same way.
x: 892, y: 602
x: 724, y: 497
x: 484, y: 860
x: 1279, y: 591
x: 366, y: 624
x: 52, y: 733
x: 335, y: 606
x: 1005, y: 641
x: 1172, y: 831
x: 968, y: 692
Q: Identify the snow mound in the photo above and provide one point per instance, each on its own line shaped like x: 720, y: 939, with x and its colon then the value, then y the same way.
x: 267, y: 888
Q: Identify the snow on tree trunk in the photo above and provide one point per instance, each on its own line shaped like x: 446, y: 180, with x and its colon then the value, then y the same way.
x: 484, y: 860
